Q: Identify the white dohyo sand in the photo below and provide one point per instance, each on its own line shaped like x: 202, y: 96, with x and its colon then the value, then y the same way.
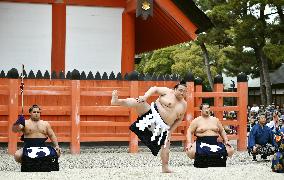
x: 115, y: 163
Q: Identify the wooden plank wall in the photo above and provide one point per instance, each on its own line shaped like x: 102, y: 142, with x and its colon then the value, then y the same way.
x: 80, y: 110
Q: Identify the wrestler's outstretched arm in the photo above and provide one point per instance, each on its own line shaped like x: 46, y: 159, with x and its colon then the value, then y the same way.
x: 190, y: 148
x: 223, y: 133
x: 19, y: 125
x: 229, y: 148
x: 190, y: 131
x: 134, y: 102
x: 53, y: 138
x: 153, y: 90
x: 176, y: 123
x: 17, y: 128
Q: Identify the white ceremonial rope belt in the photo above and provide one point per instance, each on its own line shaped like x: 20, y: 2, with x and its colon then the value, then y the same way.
x: 154, y: 119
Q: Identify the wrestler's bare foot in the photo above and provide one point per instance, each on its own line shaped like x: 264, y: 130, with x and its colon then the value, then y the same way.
x: 165, y: 169
x: 114, y: 99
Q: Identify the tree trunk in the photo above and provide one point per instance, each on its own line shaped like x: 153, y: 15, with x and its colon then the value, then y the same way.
x: 262, y: 86
x: 281, y: 27
x: 263, y: 58
x: 280, y: 13
x: 207, y: 65
x: 262, y: 90
x: 266, y: 77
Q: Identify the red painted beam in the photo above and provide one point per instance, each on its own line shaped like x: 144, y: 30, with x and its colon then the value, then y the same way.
x: 178, y: 15
x: 131, y: 6
x: 128, y: 42
x: 58, y: 37
x: 75, y: 117
x: 103, y: 3
x: 30, y: 1
x: 13, y: 115
x: 161, y: 30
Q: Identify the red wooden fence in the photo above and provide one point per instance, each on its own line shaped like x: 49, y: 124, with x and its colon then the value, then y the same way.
x: 80, y: 110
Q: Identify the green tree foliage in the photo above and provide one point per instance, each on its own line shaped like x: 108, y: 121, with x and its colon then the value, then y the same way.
x: 249, y: 30
x: 275, y: 53
x: 181, y: 59
x: 158, y: 62
x: 252, y: 41
x: 243, y: 59
x: 244, y: 39
x: 238, y: 24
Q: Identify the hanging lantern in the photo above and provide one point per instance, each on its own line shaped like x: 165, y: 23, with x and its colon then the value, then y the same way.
x: 144, y: 8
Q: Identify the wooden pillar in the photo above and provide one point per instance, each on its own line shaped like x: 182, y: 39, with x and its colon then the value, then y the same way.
x: 58, y: 36
x: 218, y: 101
x: 134, y: 92
x: 198, y: 101
x: 242, y: 115
x: 128, y: 42
x: 75, y: 117
x: 190, y: 107
x: 13, y: 114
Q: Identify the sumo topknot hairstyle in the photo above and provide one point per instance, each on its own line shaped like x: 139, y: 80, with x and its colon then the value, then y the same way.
x: 33, y: 106
x: 201, y: 105
x: 182, y: 82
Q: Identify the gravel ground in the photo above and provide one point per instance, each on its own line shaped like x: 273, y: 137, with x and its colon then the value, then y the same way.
x: 105, y: 162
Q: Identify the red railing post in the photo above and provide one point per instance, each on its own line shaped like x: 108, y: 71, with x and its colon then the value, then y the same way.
x: 58, y: 36
x: 218, y: 101
x: 134, y: 93
x: 75, y: 117
x: 190, y: 107
x: 242, y: 115
x: 13, y: 114
x: 198, y: 100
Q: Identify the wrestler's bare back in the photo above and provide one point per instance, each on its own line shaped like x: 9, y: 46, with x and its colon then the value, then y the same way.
x: 35, y: 129
x: 169, y: 107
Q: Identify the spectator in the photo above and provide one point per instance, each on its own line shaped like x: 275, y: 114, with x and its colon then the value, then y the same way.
x: 274, y: 124
x: 261, y: 139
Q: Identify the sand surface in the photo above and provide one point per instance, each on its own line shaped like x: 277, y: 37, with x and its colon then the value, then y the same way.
x: 115, y: 162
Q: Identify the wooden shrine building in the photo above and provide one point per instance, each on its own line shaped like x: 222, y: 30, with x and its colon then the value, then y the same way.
x: 172, y: 22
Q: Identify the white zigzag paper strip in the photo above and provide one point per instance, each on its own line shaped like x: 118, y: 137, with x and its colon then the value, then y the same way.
x: 154, y: 119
